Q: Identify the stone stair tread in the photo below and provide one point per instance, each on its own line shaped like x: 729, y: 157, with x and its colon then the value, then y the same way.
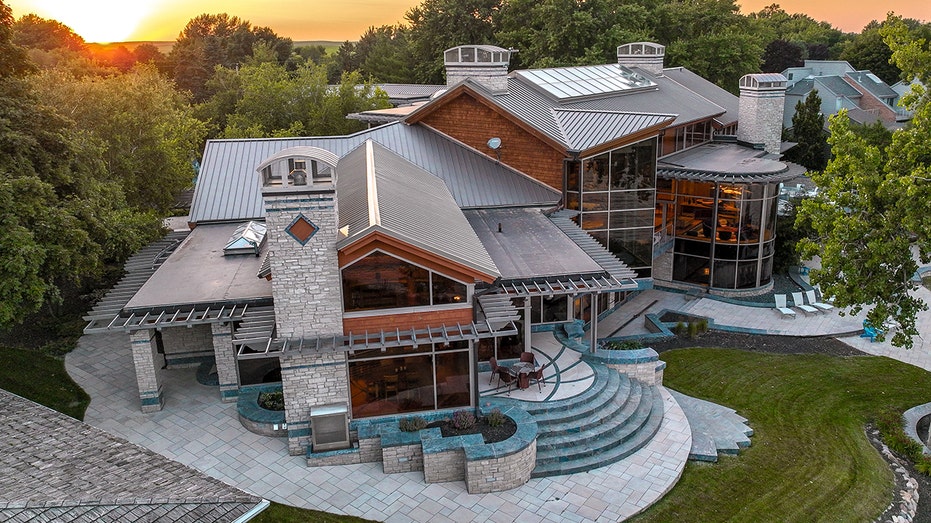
x: 703, y: 448
x: 726, y: 428
x: 598, y: 425
x: 593, y: 446
x: 575, y: 423
x: 613, y: 455
x: 598, y: 395
x: 602, y: 378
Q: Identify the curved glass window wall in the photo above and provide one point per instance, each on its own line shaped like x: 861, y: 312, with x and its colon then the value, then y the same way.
x: 724, y: 233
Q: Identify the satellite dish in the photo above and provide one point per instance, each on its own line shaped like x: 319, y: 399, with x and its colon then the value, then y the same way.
x: 494, y: 143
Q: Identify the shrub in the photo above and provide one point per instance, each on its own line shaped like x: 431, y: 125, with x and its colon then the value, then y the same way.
x: 889, y: 423
x: 271, y: 400
x: 496, y: 418
x: 679, y: 329
x: 412, y: 424
x: 623, y: 345
x: 463, y: 420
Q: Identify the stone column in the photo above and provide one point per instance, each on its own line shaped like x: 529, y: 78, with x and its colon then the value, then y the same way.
x: 310, y: 379
x: 144, y: 357
x: 227, y: 371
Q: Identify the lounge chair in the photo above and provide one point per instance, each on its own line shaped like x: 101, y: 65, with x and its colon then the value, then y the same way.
x: 781, y: 306
x: 810, y: 295
x: 800, y: 303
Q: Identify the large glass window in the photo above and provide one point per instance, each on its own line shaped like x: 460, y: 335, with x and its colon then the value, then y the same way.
x: 381, y: 281
x: 617, y: 201
x: 724, y: 232
x: 409, y: 381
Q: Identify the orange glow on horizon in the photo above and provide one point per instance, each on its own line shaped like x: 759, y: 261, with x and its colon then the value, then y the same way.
x: 302, y: 20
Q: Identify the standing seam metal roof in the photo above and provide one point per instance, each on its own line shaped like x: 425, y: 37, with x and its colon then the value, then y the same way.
x: 584, y: 129
x: 406, y: 202
x: 229, y: 189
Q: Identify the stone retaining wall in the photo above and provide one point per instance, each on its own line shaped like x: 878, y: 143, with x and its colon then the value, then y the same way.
x: 642, y: 364
x: 495, y: 475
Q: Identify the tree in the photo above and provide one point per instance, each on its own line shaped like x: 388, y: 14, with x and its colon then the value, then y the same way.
x: 437, y: 25
x: 265, y: 99
x: 870, y: 220
x: 35, y: 32
x: 780, y: 55
x: 61, y: 217
x: 211, y: 40
x: 149, y: 133
x: 811, y: 149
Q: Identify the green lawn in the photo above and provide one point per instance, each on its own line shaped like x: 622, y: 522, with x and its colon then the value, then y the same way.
x: 809, y: 459
x: 42, y: 379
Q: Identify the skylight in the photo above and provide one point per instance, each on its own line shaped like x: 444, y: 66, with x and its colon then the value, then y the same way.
x: 248, y: 238
x: 566, y: 83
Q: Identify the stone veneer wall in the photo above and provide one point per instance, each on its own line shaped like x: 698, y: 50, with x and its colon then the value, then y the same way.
x: 642, y: 364
x: 144, y: 357
x: 224, y: 353
x: 497, y: 474
x: 310, y: 379
x: 446, y: 465
x: 494, y: 78
x: 183, y: 343
x: 403, y: 458
x: 760, y: 116
x: 305, y: 278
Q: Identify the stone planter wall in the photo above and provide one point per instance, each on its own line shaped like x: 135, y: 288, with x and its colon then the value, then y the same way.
x: 497, y: 474
x: 256, y: 419
x: 642, y: 364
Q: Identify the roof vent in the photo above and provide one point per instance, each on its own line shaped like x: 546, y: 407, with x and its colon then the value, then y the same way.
x: 248, y: 238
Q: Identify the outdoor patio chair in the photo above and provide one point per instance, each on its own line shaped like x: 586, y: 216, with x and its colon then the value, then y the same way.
x: 508, y: 378
x: 782, y: 307
x: 537, y: 376
x: 810, y: 295
x: 528, y: 357
x: 800, y: 303
x: 494, y: 370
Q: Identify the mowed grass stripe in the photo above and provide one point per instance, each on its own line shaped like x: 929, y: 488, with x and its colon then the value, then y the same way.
x: 809, y: 459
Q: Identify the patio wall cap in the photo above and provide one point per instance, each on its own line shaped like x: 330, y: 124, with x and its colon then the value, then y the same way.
x: 632, y: 356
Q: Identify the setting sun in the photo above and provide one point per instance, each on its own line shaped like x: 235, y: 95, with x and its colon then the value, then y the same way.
x: 100, y: 21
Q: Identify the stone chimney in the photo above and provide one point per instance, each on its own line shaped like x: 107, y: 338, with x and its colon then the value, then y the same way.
x: 759, y: 116
x: 484, y: 64
x: 645, y: 55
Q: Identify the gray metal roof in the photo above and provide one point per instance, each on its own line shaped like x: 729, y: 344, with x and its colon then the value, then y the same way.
x: 228, y: 188
x: 379, y: 190
x: 665, y: 97
x: 584, y: 129
x: 407, y: 93
x: 529, y: 245
x: 726, y: 162
x: 56, y: 468
x: 708, y: 90
x: 873, y: 84
x: 587, y: 81
x: 197, y: 272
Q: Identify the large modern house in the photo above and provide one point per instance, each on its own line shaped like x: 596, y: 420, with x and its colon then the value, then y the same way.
x: 375, y: 271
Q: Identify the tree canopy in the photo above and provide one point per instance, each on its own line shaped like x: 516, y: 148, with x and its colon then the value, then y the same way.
x: 811, y: 149
x: 870, y: 220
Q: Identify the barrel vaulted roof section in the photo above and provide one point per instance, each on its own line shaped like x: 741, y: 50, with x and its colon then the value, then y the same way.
x: 311, y: 153
x: 379, y: 190
x: 229, y: 189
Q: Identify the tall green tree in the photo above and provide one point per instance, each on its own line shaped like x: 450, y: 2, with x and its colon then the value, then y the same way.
x: 147, y: 127
x: 870, y: 220
x: 867, y: 50
x: 211, y: 40
x: 61, y: 216
x: 811, y: 149
x: 262, y: 100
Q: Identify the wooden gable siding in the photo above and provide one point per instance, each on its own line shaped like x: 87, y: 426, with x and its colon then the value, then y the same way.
x: 473, y: 123
x: 416, y: 255
x: 407, y: 320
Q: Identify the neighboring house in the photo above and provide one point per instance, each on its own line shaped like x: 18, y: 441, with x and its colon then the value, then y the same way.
x: 865, y: 96
x: 56, y: 468
x: 395, y: 259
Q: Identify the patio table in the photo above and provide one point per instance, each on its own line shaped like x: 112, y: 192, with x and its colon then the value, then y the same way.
x: 522, y: 370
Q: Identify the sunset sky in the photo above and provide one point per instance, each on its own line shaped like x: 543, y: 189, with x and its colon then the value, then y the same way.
x: 158, y: 20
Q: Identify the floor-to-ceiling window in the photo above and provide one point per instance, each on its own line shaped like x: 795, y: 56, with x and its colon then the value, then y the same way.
x: 724, y: 232
x: 410, y: 379
x: 615, y: 193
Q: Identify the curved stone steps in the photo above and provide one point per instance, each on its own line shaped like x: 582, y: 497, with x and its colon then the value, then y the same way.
x: 597, y: 425
x: 613, y: 418
x: 609, y: 449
